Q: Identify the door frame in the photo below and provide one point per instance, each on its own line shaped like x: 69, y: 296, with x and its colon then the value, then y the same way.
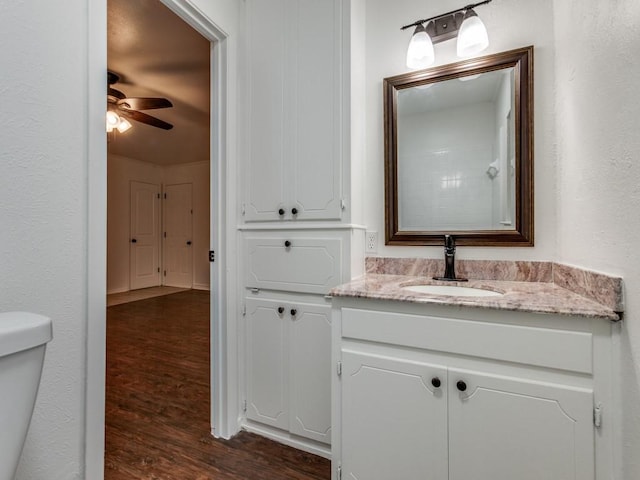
x: 224, y: 404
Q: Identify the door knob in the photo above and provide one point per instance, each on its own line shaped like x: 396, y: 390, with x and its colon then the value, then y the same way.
x: 461, y: 385
x: 281, y: 212
x: 293, y: 312
x: 133, y: 240
x: 188, y: 242
x: 280, y: 310
x: 287, y: 243
x: 294, y: 211
x: 435, y: 381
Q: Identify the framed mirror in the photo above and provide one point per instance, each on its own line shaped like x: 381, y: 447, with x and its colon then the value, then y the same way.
x: 459, y: 152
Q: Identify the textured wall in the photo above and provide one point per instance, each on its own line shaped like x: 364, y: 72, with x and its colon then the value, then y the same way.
x: 43, y: 207
x: 511, y: 24
x: 599, y: 170
x: 43, y: 215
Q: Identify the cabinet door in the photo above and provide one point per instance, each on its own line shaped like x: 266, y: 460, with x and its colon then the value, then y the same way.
x: 286, y: 261
x: 394, y: 421
x: 313, y: 88
x: 267, y: 362
x: 310, y: 372
x: 503, y: 428
x: 265, y: 172
x: 294, y: 130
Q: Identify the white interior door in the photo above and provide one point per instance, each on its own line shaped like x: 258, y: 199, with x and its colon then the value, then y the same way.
x: 178, y: 232
x: 144, y: 251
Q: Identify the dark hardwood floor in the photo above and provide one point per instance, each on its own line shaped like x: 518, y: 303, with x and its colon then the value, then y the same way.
x: 157, y: 412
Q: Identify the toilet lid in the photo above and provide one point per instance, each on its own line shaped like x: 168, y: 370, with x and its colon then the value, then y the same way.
x: 23, y: 330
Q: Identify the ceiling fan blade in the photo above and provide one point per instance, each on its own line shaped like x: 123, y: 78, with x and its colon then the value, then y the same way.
x: 144, y: 103
x: 144, y: 118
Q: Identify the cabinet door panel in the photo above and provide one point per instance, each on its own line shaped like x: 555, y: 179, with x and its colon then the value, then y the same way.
x: 310, y: 367
x: 504, y: 428
x: 394, y: 422
x: 267, y: 363
x: 310, y: 265
x: 315, y: 109
x: 265, y: 175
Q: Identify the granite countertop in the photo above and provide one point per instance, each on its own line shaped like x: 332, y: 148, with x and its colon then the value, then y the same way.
x: 523, y: 296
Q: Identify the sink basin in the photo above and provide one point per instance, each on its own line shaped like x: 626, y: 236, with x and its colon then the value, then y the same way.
x: 452, y: 290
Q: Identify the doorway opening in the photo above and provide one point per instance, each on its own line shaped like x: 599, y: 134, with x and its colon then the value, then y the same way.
x: 161, y: 188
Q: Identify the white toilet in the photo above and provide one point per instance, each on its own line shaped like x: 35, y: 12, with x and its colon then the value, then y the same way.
x: 23, y: 339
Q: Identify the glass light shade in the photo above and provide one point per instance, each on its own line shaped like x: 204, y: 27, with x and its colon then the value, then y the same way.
x: 112, y: 120
x: 420, y: 52
x: 124, y: 125
x: 472, y: 36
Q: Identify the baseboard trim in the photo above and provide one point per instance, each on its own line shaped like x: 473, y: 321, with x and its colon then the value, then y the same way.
x: 117, y: 290
x: 201, y: 286
x: 286, y: 438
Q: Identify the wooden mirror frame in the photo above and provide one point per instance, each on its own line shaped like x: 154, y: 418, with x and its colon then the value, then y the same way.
x: 522, y: 62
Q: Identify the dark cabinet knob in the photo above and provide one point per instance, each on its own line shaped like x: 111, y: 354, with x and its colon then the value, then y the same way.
x: 280, y: 310
x: 461, y: 385
x: 281, y: 212
x: 287, y: 243
x: 435, y: 381
x: 189, y: 242
x: 293, y: 312
x: 133, y: 240
x: 294, y: 211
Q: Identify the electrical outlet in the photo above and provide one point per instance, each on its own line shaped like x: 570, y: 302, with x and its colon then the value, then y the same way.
x: 371, y: 242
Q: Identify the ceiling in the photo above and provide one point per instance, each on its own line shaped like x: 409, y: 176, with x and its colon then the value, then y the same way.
x: 156, y: 54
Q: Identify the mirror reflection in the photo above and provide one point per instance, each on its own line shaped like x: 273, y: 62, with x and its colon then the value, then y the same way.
x: 456, y: 154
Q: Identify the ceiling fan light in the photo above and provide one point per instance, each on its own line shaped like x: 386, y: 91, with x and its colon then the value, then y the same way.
x: 472, y: 37
x: 112, y: 120
x: 124, y: 125
x: 420, y: 52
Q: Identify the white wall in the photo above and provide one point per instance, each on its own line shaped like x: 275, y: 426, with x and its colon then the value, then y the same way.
x: 123, y: 170
x: 43, y: 213
x: 599, y: 171
x: 511, y: 24
x: 43, y: 205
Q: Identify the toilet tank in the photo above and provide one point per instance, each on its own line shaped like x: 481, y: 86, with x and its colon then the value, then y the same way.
x: 23, y: 338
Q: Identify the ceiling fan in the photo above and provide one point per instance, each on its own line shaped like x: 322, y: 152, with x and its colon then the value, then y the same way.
x: 128, y: 107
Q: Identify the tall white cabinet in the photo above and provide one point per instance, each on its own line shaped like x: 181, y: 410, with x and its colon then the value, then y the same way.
x: 297, y: 235
x: 295, y: 97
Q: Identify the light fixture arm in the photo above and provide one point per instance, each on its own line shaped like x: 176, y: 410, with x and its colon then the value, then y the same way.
x: 442, y: 15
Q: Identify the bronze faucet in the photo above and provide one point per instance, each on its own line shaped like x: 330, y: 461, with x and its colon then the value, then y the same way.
x: 449, y: 261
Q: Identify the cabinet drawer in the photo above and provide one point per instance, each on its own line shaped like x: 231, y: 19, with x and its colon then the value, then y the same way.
x: 544, y: 347
x: 293, y: 263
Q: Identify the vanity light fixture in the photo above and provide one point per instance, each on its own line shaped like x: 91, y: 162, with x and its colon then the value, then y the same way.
x: 464, y: 23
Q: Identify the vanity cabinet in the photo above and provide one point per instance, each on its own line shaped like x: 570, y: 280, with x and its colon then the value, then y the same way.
x: 432, y: 392
x: 289, y: 366
x: 294, y: 135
